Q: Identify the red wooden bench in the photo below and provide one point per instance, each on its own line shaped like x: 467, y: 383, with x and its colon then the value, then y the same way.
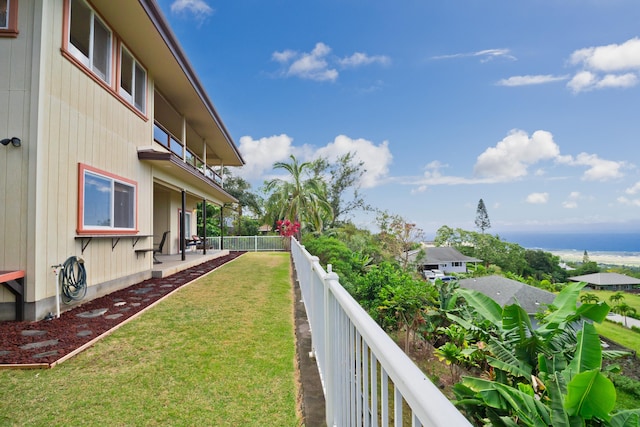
x: 14, y: 281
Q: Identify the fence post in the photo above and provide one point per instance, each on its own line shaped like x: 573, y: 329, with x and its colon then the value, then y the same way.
x: 329, y: 348
x: 255, y: 244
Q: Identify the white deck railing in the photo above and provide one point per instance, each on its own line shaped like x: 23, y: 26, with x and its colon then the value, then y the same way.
x: 248, y: 243
x: 366, y: 377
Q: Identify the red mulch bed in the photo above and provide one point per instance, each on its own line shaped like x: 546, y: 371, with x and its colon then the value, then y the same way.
x: 60, y: 337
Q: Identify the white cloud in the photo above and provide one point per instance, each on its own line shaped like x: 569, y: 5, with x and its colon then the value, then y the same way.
x: 631, y: 202
x: 530, y: 80
x: 359, y: 58
x: 198, y: 8
x: 261, y: 154
x: 511, y: 157
x: 634, y: 189
x: 610, y: 58
x: 484, y: 55
x: 598, y: 169
x: 572, y: 200
x: 538, y: 198
x: 318, y: 64
x: 376, y: 158
x: 610, y: 66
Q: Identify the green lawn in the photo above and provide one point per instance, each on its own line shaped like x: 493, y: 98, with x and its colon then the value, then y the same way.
x: 632, y: 299
x: 217, y: 352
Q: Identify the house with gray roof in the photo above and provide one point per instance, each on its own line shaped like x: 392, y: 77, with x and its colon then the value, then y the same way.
x: 607, y: 281
x: 506, y: 292
x: 443, y: 258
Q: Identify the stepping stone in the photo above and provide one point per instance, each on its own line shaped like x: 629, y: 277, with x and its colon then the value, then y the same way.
x: 166, y: 286
x: 125, y: 309
x: 135, y: 304
x: 93, y: 313
x: 120, y: 303
x: 4, y: 352
x: 32, y: 333
x: 84, y: 333
x: 45, y: 354
x: 113, y: 316
x: 40, y: 344
x: 141, y: 291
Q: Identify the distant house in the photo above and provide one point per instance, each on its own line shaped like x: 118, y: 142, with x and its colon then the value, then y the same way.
x: 506, y: 292
x: 443, y: 258
x: 608, y: 281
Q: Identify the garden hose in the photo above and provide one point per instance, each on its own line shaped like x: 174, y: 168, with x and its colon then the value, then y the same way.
x: 73, y: 279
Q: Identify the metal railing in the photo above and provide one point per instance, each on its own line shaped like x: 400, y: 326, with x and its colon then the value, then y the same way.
x: 248, y: 243
x: 367, y: 379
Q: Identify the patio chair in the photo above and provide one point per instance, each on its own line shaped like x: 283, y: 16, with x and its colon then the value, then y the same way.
x: 158, y: 250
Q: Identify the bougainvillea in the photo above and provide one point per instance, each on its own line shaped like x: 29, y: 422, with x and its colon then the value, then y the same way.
x: 287, y: 228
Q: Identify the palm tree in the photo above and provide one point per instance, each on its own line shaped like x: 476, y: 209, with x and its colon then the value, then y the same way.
x: 589, y: 298
x: 624, y: 310
x: 616, y: 298
x: 297, y: 198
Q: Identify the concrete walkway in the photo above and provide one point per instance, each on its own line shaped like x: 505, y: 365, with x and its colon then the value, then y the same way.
x: 620, y: 319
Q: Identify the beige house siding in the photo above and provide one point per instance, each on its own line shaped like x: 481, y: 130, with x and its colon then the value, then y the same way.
x: 65, y: 118
x: 15, y: 109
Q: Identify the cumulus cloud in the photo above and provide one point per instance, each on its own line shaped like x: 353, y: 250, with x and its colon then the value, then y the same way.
x: 199, y: 8
x: 376, y: 158
x: 572, y: 200
x: 538, y: 198
x: 359, y: 58
x: 484, y: 55
x: 630, y: 202
x: 261, y: 154
x: 319, y: 65
x: 634, y: 189
x: 610, y: 66
x: 609, y: 58
x: 511, y: 157
x: 529, y: 80
x: 598, y: 169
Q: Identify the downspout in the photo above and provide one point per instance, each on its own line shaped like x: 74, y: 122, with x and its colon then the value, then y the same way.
x: 204, y: 226
x: 182, y: 236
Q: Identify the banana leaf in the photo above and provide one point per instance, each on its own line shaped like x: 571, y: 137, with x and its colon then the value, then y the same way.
x: 590, y: 394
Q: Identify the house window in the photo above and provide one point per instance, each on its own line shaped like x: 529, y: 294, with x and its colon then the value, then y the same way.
x: 107, y: 202
x: 133, y: 80
x: 90, y: 40
x: 187, y: 224
x: 8, y: 18
x: 456, y: 264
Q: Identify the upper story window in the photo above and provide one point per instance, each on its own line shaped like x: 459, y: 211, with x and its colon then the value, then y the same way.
x: 90, y: 40
x: 107, y: 203
x: 8, y: 18
x: 133, y: 80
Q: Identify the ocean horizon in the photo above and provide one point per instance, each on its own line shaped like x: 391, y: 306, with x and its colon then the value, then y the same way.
x: 620, y: 243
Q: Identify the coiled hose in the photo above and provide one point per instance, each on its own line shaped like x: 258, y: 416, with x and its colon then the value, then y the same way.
x: 73, y: 280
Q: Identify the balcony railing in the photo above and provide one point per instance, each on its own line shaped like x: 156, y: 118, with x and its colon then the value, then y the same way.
x: 359, y: 364
x: 166, y: 139
x: 247, y: 243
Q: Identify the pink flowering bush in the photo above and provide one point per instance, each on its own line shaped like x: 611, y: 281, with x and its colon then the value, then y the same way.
x: 287, y: 228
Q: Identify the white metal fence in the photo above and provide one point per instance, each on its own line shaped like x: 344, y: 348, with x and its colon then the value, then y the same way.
x: 367, y: 379
x: 248, y: 243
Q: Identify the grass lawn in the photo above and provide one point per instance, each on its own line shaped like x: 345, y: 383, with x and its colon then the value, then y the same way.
x: 619, y: 334
x: 631, y: 299
x: 217, y: 352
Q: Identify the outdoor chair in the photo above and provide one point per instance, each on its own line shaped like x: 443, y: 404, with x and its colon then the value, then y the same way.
x: 158, y: 250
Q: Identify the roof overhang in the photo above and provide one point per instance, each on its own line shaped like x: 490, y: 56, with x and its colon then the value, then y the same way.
x: 147, y: 34
x: 187, y: 174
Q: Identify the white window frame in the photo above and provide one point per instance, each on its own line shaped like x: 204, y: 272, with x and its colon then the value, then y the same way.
x: 89, y: 61
x: 86, y: 173
x: 131, y: 98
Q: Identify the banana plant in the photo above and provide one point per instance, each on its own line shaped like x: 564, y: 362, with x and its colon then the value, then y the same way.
x: 549, y: 375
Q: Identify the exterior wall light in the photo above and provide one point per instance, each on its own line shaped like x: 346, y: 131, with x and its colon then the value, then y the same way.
x: 15, y: 141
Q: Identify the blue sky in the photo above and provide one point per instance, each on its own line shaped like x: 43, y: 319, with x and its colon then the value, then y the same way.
x: 532, y: 106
